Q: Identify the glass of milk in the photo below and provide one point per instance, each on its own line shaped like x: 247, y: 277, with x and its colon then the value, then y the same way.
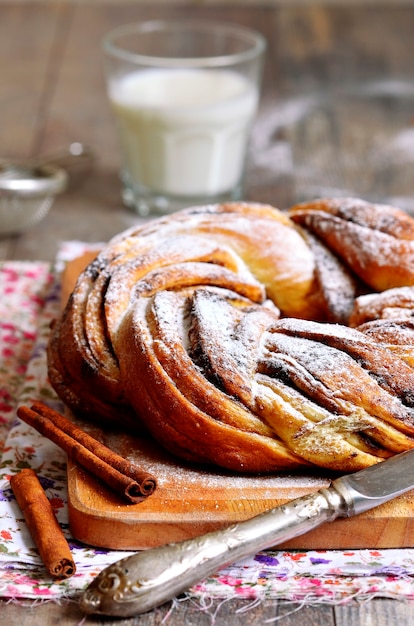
x: 184, y: 95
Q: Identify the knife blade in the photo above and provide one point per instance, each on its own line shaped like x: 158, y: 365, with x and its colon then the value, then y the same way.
x: 143, y: 581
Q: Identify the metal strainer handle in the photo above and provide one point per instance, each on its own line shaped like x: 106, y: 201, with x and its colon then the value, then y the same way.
x: 43, y: 177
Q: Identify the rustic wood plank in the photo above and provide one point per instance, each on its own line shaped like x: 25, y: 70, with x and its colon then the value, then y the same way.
x: 291, y: 614
x: 32, y: 36
x: 190, y: 612
x: 28, y: 39
x: 381, y: 612
x: 67, y: 613
x: 325, y: 48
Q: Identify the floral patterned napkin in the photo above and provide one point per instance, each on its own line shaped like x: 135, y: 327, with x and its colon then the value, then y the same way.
x: 29, y: 301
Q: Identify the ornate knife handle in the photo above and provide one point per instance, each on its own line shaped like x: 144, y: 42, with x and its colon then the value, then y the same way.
x: 147, y: 579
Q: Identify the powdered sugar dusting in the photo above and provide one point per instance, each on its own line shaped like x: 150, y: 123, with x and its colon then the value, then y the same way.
x: 218, y: 377
x: 177, y: 478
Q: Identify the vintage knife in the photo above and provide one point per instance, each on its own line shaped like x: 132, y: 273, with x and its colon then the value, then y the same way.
x: 141, y: 582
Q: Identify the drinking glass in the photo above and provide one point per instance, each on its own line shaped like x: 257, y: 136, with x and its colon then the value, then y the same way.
x: 184, y: 95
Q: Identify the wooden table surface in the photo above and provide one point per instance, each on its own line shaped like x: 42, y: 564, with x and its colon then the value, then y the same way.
x: 52, y: 93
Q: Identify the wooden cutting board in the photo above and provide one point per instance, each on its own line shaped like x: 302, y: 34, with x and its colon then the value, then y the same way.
x: 189, y: 501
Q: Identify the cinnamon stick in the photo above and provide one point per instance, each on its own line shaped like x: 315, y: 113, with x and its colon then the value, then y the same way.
x: 146, y: 481
x: 42, y: 524
x: 132, y: 482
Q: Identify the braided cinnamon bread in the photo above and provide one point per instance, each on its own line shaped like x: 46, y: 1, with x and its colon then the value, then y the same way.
x: 225, y: 331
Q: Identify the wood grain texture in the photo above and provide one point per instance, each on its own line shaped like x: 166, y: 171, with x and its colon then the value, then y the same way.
x: 381, y: 612
x: 189, y: 502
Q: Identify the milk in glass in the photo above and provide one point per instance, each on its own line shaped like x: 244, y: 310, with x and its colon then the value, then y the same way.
x: 184, y: 131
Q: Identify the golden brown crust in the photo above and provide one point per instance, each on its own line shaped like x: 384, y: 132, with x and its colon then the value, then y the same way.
x: 367, y: 237
x: 336, y: 287
x: 388, y: 319
x: 292, y: 389
x: 394, y: 304
x: 177, y: 325
x: 254, y: 246
x: 397, y: 335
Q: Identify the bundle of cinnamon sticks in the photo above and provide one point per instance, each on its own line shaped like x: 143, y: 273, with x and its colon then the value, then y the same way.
x: 127, y: 479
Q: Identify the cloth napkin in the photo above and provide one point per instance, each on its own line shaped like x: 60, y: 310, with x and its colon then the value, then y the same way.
x: 30, y: 293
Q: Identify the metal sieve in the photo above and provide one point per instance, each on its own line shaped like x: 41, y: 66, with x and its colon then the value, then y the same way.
x: 27, y: 190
